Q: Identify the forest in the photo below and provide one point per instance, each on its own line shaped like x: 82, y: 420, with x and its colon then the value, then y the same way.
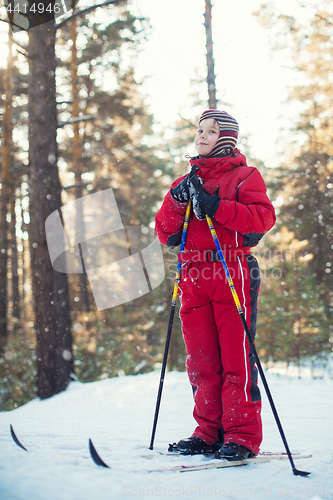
x: 65, y: 135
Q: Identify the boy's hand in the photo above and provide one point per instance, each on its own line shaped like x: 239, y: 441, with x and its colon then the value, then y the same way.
x: 188, y: 187
x: 181, y: 192
x: 195, y: 182
x: 205, y: 204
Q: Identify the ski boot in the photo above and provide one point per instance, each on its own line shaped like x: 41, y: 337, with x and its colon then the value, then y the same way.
x: 234, y: 451
x: 194, y: 446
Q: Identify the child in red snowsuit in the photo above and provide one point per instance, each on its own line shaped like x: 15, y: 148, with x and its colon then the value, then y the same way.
x: 220, y: 365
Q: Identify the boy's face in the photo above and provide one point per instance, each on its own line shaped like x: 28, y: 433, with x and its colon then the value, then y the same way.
x: 207, y: 136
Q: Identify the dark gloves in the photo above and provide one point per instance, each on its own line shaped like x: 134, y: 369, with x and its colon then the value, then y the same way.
x: 205, y: 203
x: 191, y: 188
x: 187, y: 188
x: 181, y: 192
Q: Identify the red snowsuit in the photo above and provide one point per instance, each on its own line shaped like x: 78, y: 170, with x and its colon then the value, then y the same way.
x: 220, y: 366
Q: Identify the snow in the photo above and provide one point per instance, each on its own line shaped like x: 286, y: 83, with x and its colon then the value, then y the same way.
x: 117, y: 414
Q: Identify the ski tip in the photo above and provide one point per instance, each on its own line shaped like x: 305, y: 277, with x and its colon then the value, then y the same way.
x: 95, y: 456
x: 15, y: 439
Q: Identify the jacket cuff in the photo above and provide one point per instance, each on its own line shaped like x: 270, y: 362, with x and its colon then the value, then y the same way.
x: 220, y: 213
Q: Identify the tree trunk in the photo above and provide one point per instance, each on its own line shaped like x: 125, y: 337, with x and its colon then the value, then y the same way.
x: 212, y: 102
x: 22, y: 263
x: 77, y: 154
x: 5, y: 189
x: 14, y: 259
x: 3, y: 264
x: 53, y: 328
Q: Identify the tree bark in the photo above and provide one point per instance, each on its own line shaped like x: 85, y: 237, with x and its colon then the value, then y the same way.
x: 53, y: 326
x: 5, y: 190
x: 212, y: 101
x: 77, y: 154
x: 14, y: 259
x: 23, y: 260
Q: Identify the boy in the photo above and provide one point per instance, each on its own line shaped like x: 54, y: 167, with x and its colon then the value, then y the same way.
x: 220, y: 366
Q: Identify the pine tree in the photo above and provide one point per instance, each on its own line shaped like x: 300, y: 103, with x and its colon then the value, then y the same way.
x: 124, y: 161
x: 305, y: 182
x: 118, y: 152
x: 212, y: 101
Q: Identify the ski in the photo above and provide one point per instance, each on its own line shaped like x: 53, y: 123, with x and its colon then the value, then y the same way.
x: 217, y: 464
x: 15, y: 439
x: 95, y: 456
x: 211, y: 455
x: 222, y: 464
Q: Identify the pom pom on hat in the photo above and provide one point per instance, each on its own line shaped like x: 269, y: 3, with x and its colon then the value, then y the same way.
x: 229, y: 129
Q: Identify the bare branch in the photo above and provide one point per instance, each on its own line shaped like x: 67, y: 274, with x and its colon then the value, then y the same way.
x: 65, y: 102
x: 75, y: 120
x: 22, y: 78
x: 77, y: 184
x: 24, y: 47
x: 330, y: 23
x: 302, y: 5
x: 25, y: 54
x: 86, y: 11
x: 316, y: 14
x: 12, y: 24
x: 188, y: 121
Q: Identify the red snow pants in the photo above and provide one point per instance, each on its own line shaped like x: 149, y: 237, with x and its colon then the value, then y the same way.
x: 219, y: 363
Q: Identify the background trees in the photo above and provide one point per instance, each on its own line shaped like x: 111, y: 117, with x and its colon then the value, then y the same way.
x: 110, y: 150
x: 303, y: 188
x: 74, y: 122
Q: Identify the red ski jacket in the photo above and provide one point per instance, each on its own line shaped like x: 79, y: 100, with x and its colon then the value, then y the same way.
x: 244, y: 215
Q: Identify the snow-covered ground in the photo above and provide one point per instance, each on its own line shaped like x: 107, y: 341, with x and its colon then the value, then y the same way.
x: 117, y: 415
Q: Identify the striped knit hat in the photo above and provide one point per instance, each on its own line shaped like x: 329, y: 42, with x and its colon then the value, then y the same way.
x: 228, y: 131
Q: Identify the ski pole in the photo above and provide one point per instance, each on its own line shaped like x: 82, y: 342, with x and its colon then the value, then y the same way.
x: 172, y: 313
x: 253, y: 348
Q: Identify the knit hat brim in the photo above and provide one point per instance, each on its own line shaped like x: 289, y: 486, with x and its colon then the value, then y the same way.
x: 229, y: 130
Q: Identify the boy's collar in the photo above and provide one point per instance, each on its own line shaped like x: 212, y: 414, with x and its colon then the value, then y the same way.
x: 232, y: 154
x: 219, y: 164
